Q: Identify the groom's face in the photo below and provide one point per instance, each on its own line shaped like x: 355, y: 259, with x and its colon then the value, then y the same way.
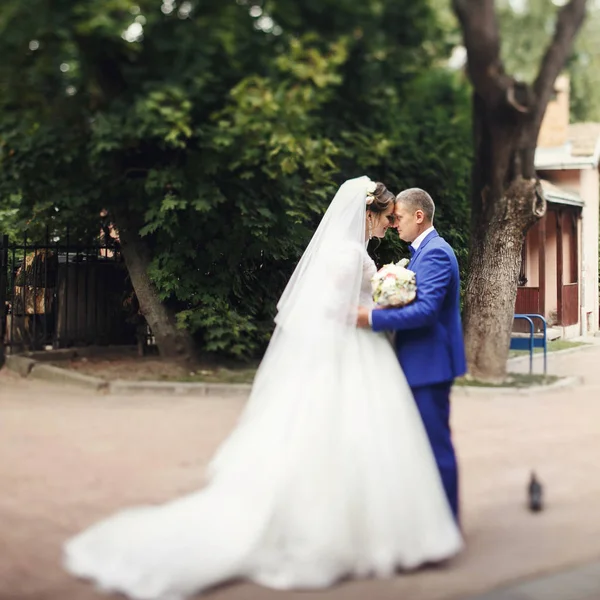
x: 408, y: 222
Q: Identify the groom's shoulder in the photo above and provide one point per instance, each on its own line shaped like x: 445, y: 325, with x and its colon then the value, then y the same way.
x: 438, y: 244
x: 444, y: 244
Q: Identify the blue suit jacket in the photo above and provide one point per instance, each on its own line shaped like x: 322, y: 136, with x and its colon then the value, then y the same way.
x: 429, y: 338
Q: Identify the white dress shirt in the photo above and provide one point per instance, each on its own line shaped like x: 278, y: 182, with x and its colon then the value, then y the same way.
x: 420, y: 239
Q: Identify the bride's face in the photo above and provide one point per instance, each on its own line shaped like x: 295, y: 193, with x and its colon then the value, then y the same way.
x: 381, y: 222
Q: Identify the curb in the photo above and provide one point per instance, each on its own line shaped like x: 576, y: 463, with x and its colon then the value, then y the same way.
x: 31, y: 369
x: 564, y: 382
x: 19, y: 364
x: 179, y: 388
x: 58, y: 375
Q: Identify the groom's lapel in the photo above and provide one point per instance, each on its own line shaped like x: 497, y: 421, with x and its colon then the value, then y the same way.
x: 424, y: 243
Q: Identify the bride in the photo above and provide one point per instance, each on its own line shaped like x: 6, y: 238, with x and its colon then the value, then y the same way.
x: 328, y: 473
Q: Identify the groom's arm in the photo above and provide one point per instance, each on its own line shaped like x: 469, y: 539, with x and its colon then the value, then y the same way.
x: 432, y: 285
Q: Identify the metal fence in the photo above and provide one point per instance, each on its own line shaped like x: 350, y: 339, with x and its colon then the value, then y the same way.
x: 56, y: 292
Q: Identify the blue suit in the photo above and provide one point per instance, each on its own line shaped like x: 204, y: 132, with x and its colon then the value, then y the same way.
x: 430, y: 348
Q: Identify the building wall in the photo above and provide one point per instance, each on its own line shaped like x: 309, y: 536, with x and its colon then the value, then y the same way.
x: 570, y: 332
x: 555, y: 125
x: 551, y: 261
x: 590, y: 193
x: 586, y: 184
x: 568, y: 180
x: 533, y: 256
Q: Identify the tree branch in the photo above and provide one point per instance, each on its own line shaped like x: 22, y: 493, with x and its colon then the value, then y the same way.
x: 482, y: 40
x: 570, y: 19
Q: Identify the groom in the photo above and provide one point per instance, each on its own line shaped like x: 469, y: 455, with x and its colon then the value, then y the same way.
x: 429, y: 340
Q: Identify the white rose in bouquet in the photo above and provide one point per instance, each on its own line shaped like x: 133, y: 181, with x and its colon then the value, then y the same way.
x: 394, y: 285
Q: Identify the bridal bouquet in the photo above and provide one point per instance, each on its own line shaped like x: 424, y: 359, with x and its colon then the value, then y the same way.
x: 394, y: 285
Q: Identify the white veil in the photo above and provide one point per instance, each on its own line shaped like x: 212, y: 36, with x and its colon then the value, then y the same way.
x: 324, y: 289
x: 315, y: 343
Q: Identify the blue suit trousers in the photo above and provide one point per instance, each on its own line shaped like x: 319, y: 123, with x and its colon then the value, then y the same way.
x: 433, y: 402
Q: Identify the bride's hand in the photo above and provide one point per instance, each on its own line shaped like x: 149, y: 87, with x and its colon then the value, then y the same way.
x: 362, y: 317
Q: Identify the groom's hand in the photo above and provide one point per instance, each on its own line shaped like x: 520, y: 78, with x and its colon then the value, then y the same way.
x: 362, y: 318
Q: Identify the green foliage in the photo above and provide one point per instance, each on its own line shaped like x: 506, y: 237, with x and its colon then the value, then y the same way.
x: 222, y: 131
x: 429, y: 146
x: 527, y: 27
x: 10, y: 222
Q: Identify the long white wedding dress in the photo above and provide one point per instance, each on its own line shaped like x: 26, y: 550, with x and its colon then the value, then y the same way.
x: 328, y: 473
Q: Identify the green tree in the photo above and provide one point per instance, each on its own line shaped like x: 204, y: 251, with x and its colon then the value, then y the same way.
x: 215, y: 137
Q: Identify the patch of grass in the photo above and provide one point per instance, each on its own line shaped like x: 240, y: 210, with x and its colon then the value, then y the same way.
x: 514, y: 380
x: 152, y: 368
x: 553, y: 346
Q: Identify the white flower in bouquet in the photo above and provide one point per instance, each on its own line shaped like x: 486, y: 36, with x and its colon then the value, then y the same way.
x: 394, y: 285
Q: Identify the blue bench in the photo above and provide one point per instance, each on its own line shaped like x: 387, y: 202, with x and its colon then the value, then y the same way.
x: 531, y: 340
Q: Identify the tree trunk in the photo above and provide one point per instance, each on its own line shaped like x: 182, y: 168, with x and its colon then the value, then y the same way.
x: 504, y: 206
x: 172, y: 342
x: 491, y: 288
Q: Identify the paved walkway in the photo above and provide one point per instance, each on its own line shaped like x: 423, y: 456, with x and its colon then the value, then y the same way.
x: 70, y: 457
x: 581, y: 583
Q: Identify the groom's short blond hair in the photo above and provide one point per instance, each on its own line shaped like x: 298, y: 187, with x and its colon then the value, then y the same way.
x: 418, y: 199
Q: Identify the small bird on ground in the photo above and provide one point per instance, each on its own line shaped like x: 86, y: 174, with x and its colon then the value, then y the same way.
x: 535, y: 493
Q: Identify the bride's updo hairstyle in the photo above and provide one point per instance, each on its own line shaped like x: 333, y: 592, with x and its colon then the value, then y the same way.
x: 382, y: 198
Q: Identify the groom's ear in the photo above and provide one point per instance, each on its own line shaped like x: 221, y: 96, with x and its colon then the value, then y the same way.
x: 419, y: 215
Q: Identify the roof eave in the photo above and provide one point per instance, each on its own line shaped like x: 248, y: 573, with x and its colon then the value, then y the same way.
x: 588, y: 162
x: 580, y: 166
x: 558, y: 199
